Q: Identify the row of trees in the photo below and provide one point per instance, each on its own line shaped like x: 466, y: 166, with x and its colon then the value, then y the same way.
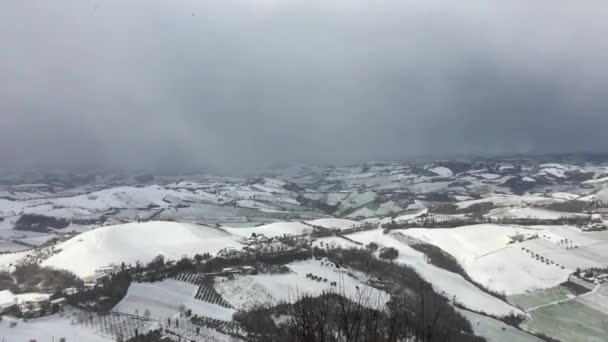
x: 414, y: 313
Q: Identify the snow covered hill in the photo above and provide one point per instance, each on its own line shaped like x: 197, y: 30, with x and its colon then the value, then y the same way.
x: 133, y: 242
x: 509, y: 228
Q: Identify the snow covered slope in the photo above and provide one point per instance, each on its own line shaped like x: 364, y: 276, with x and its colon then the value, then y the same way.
x: 164, y: 298
x: 246, y: 292
x: 273, y: 229
x: 451, y: 285
x: 488, y: 257
x: 134, y: 242
x: 334, y: 223
x: 47, y: 328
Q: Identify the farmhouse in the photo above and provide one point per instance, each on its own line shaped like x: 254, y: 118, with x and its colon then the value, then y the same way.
x: 108, y: 270
x: 34, y: 304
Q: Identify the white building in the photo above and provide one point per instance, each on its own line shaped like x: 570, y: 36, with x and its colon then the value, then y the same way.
x: 7, y: 301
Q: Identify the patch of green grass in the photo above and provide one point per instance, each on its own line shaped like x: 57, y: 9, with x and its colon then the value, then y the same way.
x: 569, y: 322
x: 541, y: 297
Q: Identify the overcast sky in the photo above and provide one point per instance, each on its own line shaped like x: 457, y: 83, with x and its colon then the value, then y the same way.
x: 230, y: 84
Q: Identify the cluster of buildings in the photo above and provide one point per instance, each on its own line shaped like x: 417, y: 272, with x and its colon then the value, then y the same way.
x: 590, y: 278
x: 29, y: 305
x: 101, y: 276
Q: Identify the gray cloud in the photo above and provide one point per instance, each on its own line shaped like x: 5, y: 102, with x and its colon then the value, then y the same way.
x: 239, y: 83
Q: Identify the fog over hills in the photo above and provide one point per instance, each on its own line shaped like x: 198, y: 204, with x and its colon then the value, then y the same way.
x: 244, y: 83
x: 303, y: 170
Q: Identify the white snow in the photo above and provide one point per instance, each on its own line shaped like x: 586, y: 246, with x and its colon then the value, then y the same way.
x: 506, y: 200
x: 7, y: 299
x: 46, y: 329
x: 529, y: 213
x: 563, y: 195
x: 489, y: 176
x: 334, y: 223
x: 596, y: 181
x: 486, y: 255
x: 273, y: 229
x: 363, y: 212
x: 164, y: 298
x: 8, y: 260
x: 496, y: 331
x: 133, y: 242
x: 451, y: 285
x: 554, y: 170
x: 245, y: 292
x: 442, y: 171
x: 335, y: 242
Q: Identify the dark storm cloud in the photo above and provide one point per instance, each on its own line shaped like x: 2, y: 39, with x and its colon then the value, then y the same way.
x: 236, y: 83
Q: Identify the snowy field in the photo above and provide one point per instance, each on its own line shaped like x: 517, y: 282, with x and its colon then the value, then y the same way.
x: 8, y: 260
x: 451, y: 285
x: 245, y: 292
x: 335, y: 242
x: 273, y: 229
x: 164, y: 298
x: 49, y: 328
x: 485, y: 253
x: 508, y: 200
x: 334, y: 223
x: 530, y: 213
x: 134, y: 242
x: 496, y: 331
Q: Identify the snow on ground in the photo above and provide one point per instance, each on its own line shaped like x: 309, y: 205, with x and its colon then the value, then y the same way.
x: 335, y: 242
x: 273, y: 229
x: 121, y: 197
x: 530, y: 213
x: 7, y: 299
x: 563, y: 195
x: 489, y: 176
x: 442, y: 171
x: 334, y: 223
x: 245, y: 292
x: 424, y: 187
x: 570, y: 247
x: 555, y: 170
x: 8, y: 260
x: 164, y: 298
x: 600, y: 195
x: 506, y: 200
x: 398, y: 219
x: 388, y: 208
x: 46, y: 329
x: 10, y: 246
x: 356, y: 200
x: 596, y: 181
x: 38, y: 240
x: 487, y: 256
x: 468, y: 241
x: 363, y: 212
x: 451, y: 285
x: 512, y: 271
x: 133, y: 242
x: 494, y: 330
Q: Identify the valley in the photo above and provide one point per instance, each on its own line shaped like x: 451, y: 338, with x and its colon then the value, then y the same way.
x: 512, y: 249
